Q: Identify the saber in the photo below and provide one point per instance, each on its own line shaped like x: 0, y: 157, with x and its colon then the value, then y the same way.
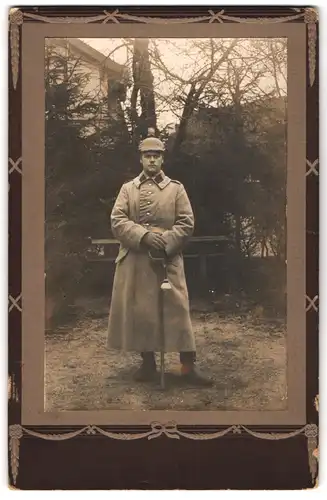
x: 160, y: 257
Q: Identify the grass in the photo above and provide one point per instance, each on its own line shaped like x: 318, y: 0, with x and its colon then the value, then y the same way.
x: 246, y: 357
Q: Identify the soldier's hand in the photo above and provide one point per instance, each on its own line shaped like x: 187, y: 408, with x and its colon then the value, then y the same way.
x: 154, y: 240
x: 158, y: 242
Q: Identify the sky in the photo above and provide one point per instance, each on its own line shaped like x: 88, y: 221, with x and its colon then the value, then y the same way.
x: 184, y: 58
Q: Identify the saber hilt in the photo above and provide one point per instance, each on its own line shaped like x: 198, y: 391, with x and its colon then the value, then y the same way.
x: 161, y: 257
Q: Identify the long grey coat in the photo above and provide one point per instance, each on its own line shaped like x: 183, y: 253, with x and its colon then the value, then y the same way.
x: 146, y: 205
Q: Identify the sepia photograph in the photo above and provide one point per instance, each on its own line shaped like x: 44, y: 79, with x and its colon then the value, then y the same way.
x: 165, y: 224
x: 163, y: 302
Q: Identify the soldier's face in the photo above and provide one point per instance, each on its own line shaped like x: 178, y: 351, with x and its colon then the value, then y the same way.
x: 152, y: 162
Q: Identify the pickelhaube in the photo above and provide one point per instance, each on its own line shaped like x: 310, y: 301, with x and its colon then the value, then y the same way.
x: 151, y: 143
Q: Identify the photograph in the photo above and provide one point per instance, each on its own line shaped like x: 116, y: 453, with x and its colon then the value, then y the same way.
x: 165, y: 224
x: 163, y: 238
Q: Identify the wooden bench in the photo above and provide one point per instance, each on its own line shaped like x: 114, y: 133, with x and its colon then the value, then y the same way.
x: 105, y: 248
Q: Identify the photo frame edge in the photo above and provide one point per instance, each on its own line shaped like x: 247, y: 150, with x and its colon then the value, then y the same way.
x: 310, y: 430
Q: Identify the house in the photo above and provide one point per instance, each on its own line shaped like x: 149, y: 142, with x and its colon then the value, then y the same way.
x: 107, y: 80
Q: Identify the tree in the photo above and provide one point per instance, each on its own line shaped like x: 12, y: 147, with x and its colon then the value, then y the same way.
x: 70, y: 115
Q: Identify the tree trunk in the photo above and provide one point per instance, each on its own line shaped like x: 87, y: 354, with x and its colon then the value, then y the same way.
x: 187, y: 113
x: 115, y: 95
x: 143, y: 87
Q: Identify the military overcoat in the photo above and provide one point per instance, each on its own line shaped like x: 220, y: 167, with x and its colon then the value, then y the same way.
x: 150, y: 204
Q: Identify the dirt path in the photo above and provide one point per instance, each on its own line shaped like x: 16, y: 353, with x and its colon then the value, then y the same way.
x: 246, y: 360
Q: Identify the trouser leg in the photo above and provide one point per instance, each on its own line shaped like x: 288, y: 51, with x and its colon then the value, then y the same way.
x: 147, y: 371
x: 186, y: 357
x: 148, y: 359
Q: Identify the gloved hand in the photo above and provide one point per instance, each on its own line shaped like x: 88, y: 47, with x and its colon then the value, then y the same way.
x: 154, y: 241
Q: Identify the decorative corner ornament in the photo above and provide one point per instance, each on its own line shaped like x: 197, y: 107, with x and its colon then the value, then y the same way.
x: 15, y: 20
x: 311, y: 15
x: 311, y: 433
x: 311, y: 19
x: 15, y: 434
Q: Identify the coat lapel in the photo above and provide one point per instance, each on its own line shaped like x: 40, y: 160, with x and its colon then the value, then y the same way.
x: 161, y: 180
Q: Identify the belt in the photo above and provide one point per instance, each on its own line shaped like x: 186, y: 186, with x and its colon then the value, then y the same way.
x: 155, y: 229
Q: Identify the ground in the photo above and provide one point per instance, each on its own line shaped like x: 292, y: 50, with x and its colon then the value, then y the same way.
x: 245, y: 355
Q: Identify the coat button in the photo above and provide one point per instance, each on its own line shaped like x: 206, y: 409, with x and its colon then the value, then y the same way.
x: 148, y: 213
x: 149, y: 202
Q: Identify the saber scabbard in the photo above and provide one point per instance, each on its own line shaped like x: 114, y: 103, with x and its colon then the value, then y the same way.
x: 164, y: 285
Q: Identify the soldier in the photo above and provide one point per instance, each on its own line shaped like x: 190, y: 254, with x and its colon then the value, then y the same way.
x: 152, y: 212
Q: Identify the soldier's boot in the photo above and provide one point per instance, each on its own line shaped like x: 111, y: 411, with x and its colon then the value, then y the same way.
x: 190, y: 373
x: 147, y: 372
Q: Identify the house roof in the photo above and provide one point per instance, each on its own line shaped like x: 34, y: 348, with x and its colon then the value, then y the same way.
x: 93, y: 55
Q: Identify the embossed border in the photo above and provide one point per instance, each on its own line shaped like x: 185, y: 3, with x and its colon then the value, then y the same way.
x: 169, y: 430
x: 17, y: 17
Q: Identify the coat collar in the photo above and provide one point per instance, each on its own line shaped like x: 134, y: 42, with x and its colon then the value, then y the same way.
x: 160, y: 179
